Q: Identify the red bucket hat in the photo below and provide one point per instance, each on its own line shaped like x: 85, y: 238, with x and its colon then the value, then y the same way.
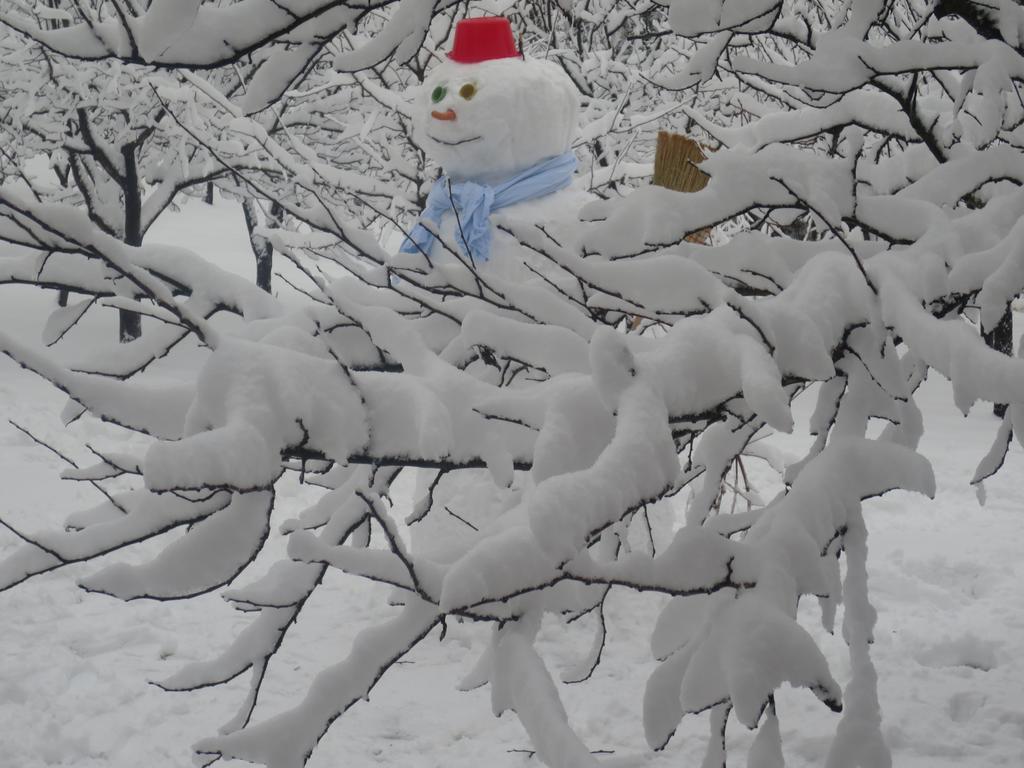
x: 482, y: 39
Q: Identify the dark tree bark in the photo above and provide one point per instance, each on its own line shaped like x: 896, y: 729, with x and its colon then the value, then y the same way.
x: 262, y: 248
x: 978, y: 15
x: 63, y: 175
x: 1000, y: 339
x: 130, y: 323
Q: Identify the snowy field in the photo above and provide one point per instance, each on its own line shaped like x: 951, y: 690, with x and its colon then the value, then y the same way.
x: 946, y: 578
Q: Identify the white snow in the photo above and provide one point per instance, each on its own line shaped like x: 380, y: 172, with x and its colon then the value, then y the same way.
x: 932, y: 609
x: 944, y: 577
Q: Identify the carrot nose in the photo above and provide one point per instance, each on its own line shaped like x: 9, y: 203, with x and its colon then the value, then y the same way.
x: 448, y: 114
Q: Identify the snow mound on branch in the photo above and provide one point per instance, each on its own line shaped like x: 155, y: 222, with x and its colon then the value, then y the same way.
x: 720, y: 648
x: 253, y: 401
x: 521, y: 682
x: 209, y: 555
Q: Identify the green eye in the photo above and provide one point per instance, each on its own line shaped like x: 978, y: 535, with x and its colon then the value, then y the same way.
x: 438, y: 93
x: 468, y: 91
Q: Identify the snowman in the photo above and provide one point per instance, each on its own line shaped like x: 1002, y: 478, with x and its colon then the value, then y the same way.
x: 500, y: 127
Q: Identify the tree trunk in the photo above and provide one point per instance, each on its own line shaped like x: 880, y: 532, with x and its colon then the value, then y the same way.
x: 63, y: 172
x: 209, y: 193
x: 1000, y: 339
x: 130, y: 323
x: 262, y: 248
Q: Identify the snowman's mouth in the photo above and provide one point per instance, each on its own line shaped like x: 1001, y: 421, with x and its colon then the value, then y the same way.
x: 454, y: 143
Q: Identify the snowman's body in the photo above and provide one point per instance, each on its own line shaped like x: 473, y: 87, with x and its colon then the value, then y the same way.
x: 508, y: 259
x: 484, y: 124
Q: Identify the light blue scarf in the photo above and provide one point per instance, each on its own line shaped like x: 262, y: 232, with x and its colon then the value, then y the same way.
x: 473, y: 203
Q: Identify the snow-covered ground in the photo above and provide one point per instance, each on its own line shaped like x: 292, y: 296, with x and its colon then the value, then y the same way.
x: 946, y: 578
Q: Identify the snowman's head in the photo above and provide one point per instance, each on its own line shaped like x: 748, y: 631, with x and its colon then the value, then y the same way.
x: 486, y: 120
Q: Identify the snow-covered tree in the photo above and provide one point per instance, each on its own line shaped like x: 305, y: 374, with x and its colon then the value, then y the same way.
x: 542, y: 417
x: 110, y: 146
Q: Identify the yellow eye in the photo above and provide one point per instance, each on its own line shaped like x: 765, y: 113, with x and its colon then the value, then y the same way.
x: 468, y: 91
